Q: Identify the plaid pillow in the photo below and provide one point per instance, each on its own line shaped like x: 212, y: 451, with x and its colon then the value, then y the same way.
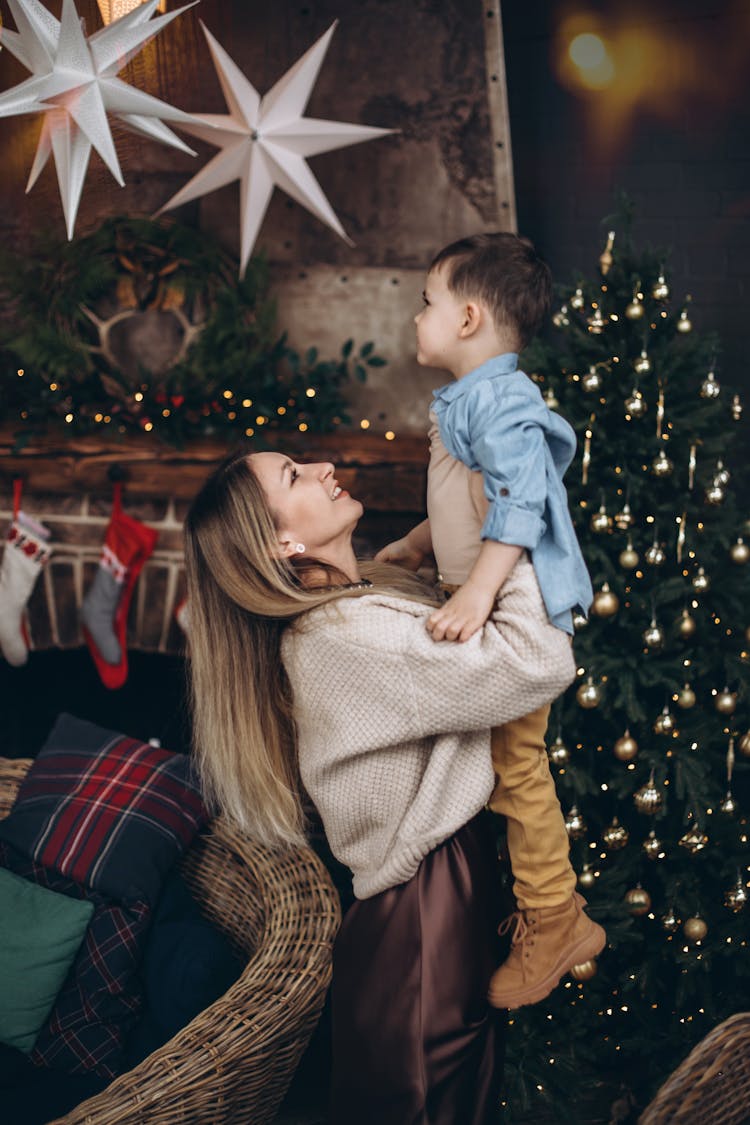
x: 107, y: 811
x: 102, y: 996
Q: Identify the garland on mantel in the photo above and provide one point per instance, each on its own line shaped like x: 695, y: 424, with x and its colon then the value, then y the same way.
x: 73, y: 349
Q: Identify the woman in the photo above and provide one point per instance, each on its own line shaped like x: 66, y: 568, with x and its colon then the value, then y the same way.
x: 314, y: 672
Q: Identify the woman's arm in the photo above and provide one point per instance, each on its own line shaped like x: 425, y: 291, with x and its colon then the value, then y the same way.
x: 379, y: 662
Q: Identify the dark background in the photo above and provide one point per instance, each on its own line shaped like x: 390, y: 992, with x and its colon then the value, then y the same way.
x: 675, y: 135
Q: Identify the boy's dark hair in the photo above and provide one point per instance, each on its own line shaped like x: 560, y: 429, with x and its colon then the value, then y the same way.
x: 505, y: 272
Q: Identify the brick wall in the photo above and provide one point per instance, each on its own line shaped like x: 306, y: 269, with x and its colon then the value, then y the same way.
x: 78, y: 524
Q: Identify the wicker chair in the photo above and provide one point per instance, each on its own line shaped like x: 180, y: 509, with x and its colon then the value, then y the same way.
x: 234, y: 1062
x: 712, y: 1085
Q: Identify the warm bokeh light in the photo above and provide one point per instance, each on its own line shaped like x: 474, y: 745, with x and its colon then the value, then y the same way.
x: 590, y: 56
x: 113, y: 9
x: 627, y: 63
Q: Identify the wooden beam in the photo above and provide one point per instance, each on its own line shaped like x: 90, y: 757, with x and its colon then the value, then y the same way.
x: 385, y: 475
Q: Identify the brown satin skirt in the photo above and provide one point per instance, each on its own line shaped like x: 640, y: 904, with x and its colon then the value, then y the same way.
x: 414, y: 1041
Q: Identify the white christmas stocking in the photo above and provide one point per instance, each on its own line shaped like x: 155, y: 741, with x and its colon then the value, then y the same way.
x: 26, y: 552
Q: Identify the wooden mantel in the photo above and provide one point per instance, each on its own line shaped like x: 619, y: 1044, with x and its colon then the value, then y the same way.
x: 387, y: 476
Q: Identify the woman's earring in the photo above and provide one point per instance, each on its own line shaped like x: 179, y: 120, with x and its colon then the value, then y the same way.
x: 300, y: 548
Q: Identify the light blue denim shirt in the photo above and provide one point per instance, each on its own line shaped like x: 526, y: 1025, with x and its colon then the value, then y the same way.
x: 495, y: 421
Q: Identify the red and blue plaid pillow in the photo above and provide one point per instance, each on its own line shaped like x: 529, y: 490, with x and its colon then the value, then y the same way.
x: 107, y: 811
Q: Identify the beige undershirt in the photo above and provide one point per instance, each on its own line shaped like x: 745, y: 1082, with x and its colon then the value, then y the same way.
x: 456, y: 507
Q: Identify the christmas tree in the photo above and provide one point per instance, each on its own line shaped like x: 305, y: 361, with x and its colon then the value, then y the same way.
x: 650, y: 747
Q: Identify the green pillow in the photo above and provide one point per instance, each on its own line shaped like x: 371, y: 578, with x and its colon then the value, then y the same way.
x: 40, y: 933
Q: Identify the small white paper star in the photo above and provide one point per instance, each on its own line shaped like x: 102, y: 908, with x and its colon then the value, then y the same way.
x: 263, y: 142
x: 74, y: 84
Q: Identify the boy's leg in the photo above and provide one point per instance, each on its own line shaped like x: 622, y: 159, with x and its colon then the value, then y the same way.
x: 552, y: 933
x: 525, y: 795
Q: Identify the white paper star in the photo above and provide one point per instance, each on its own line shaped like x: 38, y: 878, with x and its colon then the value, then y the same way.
x: 74, y: 84
x: 263, y: 142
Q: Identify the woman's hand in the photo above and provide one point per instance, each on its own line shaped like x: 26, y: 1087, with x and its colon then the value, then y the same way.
x: 462, y: 615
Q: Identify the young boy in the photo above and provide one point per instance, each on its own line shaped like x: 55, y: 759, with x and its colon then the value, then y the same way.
x: 494, y: 489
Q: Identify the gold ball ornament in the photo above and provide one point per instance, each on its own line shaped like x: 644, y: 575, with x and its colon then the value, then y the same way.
x: 585, y: 971
x: 660, y: 291
x: 642, y: 365
x: 694, y: 929
x: 661, y: 466
x: 735, y: 899
x: 686, y: 698
x: 638, y: 901
x: 684, y: 323
x: 710, y: 387
x: 624, y: 518
x: 648, y: 799
x: 577, y: 301
x: 615, y: 836
x: 626, y: 748
x: 587, y: 878
x: 725, y: 701
x: 728, y: 806
x: 655, y: 555
x: 669, y: 921
x: 558, y: 752
x: 606, y: 603
x: 634, y: 309
x: 591, y: 381
x: 743, y: 744
x: 575, y: 824
x: 551, y: 399
x: 739, y: 552
x: 589, y: 695
x: 686, y: 625
x: 600, y: 521
x: 561, y: 318
x: 653, y: 637
x: 629, y: 557
x: 701, y: 582
x: 596, y: 322
x: 580, y: 621
x: 693, y: 840
x: 715, y: 494
x: 635, y: 404
x: 653, y: 847
x: 664, y: 723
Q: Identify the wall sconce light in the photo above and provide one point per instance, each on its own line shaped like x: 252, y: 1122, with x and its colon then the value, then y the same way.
x: 112, y: 9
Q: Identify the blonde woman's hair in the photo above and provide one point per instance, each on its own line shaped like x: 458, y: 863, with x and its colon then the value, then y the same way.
x: 241, y: 597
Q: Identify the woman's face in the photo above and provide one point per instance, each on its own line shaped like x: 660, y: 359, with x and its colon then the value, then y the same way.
x: 309, y: 506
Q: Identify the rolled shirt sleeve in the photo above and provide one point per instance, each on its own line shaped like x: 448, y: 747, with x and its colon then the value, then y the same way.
x: 508, y: 444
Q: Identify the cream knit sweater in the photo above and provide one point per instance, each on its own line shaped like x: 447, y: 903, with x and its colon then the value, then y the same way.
x: 393, y: 728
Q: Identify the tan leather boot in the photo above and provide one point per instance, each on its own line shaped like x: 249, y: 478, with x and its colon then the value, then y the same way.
x: 547, y: 943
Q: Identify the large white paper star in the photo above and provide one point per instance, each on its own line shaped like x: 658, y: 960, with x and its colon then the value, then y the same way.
x: 263, y: 142
x: 74, y: 84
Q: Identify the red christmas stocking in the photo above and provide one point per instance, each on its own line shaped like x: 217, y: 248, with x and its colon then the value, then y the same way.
x: 127, y: 545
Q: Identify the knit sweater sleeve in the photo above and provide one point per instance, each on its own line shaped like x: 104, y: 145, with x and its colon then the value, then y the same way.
x: 399, y: 684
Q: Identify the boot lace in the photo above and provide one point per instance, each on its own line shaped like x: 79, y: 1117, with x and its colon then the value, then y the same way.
x: 522, y: 933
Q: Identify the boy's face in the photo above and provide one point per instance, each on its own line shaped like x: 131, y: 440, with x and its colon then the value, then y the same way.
x: 439, y: 322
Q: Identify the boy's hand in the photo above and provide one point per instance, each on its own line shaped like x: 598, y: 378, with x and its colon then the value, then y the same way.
x: 462, y: 614
x: 403, y: 553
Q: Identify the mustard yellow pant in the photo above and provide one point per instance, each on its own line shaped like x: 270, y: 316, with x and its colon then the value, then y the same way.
x: 525, y: 794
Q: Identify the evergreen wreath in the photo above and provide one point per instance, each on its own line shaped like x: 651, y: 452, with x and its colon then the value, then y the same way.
x: 79, y: 311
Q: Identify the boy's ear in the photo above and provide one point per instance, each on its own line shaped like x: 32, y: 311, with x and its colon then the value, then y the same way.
x: 472, y: 318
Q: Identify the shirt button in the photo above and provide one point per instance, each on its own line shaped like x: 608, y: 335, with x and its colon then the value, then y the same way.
x: 504, y: 492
